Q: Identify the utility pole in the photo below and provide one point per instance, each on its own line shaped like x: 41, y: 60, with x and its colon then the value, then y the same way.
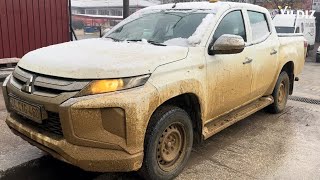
x: 125, y: 8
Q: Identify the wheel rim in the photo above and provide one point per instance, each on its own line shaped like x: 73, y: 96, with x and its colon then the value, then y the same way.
x: 171, y: 147
x: 282, y: 94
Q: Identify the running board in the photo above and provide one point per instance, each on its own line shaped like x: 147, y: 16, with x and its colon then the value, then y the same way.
x: 225, y: 121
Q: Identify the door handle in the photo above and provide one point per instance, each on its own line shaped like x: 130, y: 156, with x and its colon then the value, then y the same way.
x: 273, y: 52
x: 248, y: 61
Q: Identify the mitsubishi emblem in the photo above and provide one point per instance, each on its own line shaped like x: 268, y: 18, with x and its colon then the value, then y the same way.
x: 28, y: 86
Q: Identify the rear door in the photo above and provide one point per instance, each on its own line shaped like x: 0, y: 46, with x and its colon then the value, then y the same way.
x: 264, y: 48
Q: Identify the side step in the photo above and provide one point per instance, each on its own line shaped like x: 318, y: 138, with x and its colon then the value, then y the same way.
x: 229, y: 119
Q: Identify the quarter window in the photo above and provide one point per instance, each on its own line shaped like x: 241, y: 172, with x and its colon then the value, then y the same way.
x: 233, y: 24
x: 259, y: 26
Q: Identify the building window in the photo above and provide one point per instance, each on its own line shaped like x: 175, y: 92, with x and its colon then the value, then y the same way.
x: 113, y: 12
x: 103, y: 12
x: 91, y: 11
x: 74, y: 11
x: 119, y: 13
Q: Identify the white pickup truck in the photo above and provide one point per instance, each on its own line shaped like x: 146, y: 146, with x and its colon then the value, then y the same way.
x: 169, y: 75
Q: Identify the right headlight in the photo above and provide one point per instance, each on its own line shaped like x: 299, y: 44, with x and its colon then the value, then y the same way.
x: 111, y: 85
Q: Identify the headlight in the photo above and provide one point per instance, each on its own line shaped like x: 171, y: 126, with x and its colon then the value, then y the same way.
x: 111, y: 85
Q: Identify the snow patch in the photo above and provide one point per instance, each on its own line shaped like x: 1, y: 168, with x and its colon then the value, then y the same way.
x: 100, y: 58
x: 177, y: 42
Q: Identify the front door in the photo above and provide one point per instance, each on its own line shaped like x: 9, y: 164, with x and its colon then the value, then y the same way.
x: 228, y: 76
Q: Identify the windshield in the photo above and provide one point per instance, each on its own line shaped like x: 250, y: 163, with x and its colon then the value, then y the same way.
x: 285, y: 29
x: 159, y: 27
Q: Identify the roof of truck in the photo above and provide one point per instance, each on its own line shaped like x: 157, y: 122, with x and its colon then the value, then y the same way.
x: 206, y: 6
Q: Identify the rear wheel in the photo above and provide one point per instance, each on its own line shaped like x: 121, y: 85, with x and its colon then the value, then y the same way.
x: 168, y: 143
x: 318, y: 58
x: 280, y: 94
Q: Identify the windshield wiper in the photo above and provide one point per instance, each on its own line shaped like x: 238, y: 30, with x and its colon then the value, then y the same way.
x: 149, y: 41
x: 114, y: 39
x: 156, y: 43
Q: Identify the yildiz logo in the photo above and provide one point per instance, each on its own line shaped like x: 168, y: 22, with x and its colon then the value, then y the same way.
x: 300, y: 13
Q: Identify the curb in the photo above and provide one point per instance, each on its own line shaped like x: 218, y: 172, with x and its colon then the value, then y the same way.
x: 7, y: 66
x: 4, y: 73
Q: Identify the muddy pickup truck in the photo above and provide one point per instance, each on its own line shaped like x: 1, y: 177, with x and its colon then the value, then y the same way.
x: 163, y: 79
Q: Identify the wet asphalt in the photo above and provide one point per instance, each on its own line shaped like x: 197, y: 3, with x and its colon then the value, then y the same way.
x: 262, y: 146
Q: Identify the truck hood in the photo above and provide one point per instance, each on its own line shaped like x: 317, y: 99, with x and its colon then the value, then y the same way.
x: 100, y: 58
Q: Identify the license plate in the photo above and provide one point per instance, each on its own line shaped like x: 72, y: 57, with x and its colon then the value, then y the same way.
x: 26, y: 109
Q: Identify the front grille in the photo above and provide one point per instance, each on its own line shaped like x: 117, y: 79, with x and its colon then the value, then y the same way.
x: 51, y: 125
x: 44, y: 85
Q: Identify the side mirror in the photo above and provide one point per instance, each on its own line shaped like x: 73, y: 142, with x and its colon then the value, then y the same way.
x: 228, y: 44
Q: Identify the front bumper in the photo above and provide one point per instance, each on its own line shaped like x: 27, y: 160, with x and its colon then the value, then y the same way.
x: 103, y: 133
x: 87, y: 158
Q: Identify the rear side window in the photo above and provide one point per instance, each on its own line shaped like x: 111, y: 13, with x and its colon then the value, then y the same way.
x: 284, y: 29
x: 259, y: 26
x: 233, y: 24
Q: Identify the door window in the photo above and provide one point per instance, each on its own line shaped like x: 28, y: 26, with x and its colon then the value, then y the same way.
x: 232, y: 23
x: 259, y: 26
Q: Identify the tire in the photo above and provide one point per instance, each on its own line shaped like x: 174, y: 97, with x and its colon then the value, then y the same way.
x: 168, y: 143
x: 318, y: 58
x: 280, y: 94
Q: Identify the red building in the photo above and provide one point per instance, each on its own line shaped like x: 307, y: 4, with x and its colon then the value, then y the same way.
x: 26, y: 25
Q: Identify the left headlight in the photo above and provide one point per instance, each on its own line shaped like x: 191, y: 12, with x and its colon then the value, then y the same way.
x: 111, y: 85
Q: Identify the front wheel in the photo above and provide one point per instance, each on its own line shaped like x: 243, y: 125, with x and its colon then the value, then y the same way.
x: 168, y: 143
x: 280, y: 94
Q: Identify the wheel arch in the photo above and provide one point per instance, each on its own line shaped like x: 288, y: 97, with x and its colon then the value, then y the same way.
x: 189, y: 102
x: 289, y: 68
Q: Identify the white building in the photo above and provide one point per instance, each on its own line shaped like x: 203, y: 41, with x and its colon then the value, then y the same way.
x: 107, y: 7
x: 316, y: 5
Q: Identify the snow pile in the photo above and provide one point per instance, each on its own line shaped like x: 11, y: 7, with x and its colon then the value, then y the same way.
x: 144, y: 41
x: 100, y: 58
x: 177, y: 42
x: 196, y: 36
x: 202, y: 28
